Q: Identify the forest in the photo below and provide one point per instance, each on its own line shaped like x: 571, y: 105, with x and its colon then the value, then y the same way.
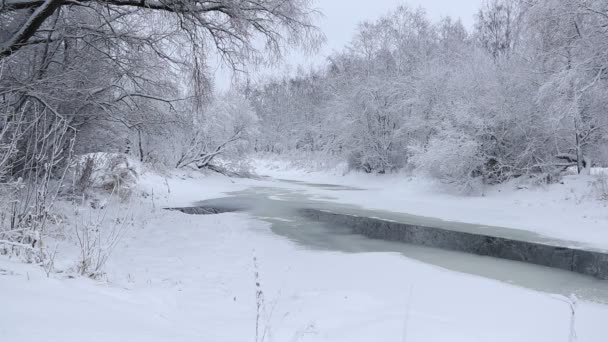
x: 524, y: 94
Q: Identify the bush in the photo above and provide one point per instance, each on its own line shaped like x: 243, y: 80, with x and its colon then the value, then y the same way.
x: 453, y: 159
x: 97, y: 235
x: 355, y: 162
x: 109, y: 172
x: 600, y: 185
x: 374, y: 161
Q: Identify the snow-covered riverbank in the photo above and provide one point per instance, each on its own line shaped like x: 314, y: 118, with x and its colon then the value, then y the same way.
x: 176, y: 277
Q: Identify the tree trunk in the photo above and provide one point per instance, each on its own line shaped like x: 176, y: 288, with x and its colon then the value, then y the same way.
x: 579, y: 154
x: 140, y: 145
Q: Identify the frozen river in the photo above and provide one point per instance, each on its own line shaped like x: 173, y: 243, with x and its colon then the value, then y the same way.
x: 281, y: 206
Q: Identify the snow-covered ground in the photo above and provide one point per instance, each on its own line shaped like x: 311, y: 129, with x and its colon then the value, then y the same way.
x: 568, y: 210
x: 176, y: 277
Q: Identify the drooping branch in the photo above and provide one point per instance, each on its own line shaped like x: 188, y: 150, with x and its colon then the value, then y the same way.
x: 169, y: 6
x: 230, y: 31
x: 29, y: 28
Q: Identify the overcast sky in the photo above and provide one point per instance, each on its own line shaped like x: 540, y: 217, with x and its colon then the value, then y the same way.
x: 341, y: 18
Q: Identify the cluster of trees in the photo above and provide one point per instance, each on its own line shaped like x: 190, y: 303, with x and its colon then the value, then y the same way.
x: 128, y: 76
x: 524, y: 93
x: 122, y: 75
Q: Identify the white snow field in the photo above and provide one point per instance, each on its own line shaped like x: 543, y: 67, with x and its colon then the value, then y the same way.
x: 178, y: 277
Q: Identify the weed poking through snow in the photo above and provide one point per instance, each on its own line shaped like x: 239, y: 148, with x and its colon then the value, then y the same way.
x: 259, y: 301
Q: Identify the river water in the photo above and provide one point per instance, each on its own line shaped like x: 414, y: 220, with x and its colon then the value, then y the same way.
x: 280, y: 205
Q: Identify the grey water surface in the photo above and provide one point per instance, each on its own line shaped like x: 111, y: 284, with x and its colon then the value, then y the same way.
x: 282, y: 207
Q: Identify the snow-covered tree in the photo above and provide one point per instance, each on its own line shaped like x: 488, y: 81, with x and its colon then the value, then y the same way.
x: 570, y: 49
x: 522, y: 94
x: 227, y: 126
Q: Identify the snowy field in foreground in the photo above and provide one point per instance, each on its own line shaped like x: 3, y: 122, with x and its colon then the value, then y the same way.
x: 191, y: 278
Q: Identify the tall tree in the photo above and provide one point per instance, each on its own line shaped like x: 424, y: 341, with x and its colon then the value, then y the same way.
x: 92, y: 64
x: 497, y: 25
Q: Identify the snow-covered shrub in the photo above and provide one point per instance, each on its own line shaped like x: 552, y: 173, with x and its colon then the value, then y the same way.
x: 602, y: 153
x: 453, y: 159
x: 17, y: 228
x: 225, y: 129
x: 600, y: 184
x: 83, y: 180
x: 31, y: 177
x: 375, y: 137
x: 355, y: 161
x: 109, y: 172
x: 97, y: 235
x: 377, y: 152
x: 239, y: 167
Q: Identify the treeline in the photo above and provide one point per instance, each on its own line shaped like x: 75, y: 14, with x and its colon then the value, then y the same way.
x: 128, y: 76
x: 525, y: 93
